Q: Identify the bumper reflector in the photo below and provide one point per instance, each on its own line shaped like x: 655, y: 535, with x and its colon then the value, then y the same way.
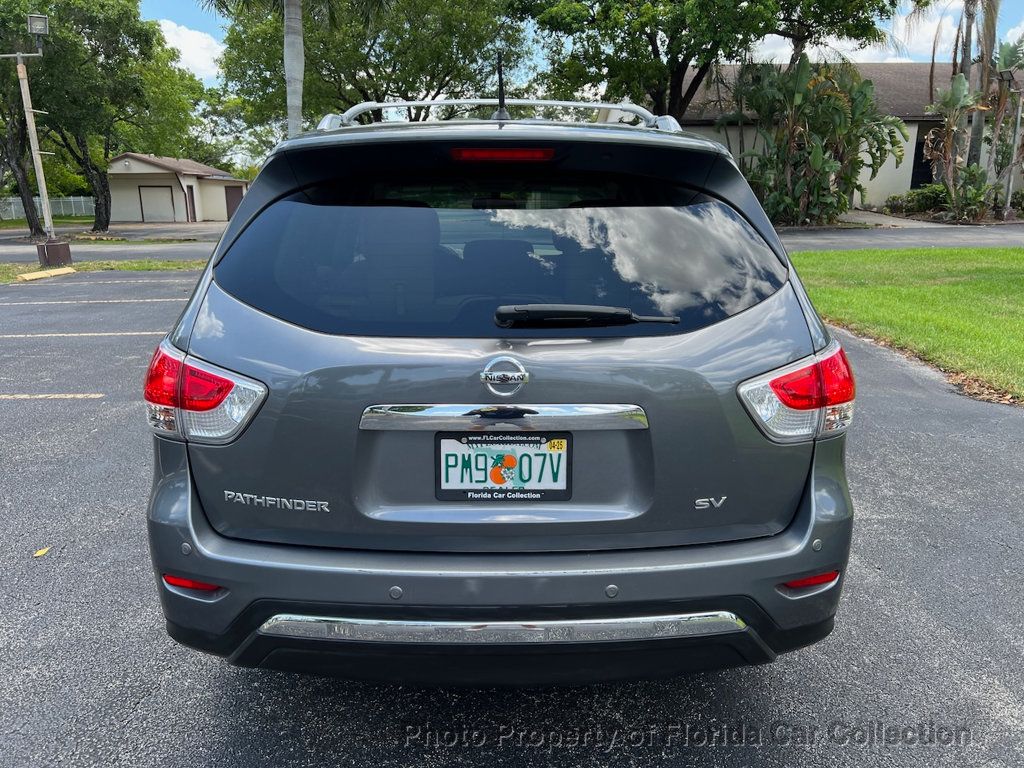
x: 813, y: 581
x: 181, y: 581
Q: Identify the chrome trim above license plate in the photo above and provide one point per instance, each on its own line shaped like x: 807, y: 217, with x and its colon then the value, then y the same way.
x: 574, y: 417
x: 504, y: 632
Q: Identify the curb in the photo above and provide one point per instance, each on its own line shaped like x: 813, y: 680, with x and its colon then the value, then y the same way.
x: 27, y: 277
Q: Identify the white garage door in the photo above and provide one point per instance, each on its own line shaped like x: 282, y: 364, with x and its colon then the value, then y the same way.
x: 157, y: 203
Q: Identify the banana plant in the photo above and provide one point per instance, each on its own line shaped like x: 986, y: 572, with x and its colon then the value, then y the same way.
x: 818, y: 127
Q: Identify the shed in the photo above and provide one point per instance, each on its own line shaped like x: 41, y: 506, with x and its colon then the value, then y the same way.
x: 150, y: 188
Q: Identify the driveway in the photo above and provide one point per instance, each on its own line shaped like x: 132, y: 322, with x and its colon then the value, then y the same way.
x: 928, y: 636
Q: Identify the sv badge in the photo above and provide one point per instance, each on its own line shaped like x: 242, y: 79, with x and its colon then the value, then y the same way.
x: 709, y: 502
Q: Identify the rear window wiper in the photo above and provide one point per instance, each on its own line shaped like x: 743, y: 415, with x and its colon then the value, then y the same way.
x: 570, y: 315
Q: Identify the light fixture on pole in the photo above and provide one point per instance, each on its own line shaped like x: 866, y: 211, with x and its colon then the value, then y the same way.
x: 1007, y: 78
x: 51, y: 253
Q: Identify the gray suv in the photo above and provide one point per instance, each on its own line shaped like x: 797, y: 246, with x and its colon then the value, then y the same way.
x: 499, y: 401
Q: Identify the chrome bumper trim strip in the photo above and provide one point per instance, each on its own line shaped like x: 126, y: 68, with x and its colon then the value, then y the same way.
x: 504, y: 632
x: 509, y: 417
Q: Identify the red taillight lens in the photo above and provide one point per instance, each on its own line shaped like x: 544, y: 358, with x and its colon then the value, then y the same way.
x: 197, y: 401
x: 800, y: 390
x: 161, y: 387
x: 181, y: 581
x: 503, y: 154
x: 837, y: 379
x: 813, y: 581
x: 828, y: 381
x: 202, y: 390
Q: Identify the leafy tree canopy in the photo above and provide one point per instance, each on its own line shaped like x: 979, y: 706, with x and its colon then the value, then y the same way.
x: 416, y: 49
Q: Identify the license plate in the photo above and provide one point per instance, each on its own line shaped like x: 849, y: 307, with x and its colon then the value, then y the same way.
x: 503, y: 468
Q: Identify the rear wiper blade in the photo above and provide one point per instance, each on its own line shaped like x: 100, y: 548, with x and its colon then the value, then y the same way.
x: 541, y: 315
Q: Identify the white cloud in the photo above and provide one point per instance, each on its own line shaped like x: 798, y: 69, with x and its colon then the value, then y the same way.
x: 1013, y: 34
x: 199, y: 50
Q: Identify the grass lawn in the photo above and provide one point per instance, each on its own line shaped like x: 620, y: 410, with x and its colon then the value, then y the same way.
x: 57, y: 222
x: 9, y: 271
x: 960, y: 309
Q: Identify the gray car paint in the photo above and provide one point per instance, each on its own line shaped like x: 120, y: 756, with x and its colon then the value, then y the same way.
x: 810, y: 534
x: 630, y: 488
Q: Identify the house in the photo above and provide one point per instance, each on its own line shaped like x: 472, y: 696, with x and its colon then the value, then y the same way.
x: 901, y: 89
x: 151, y: 188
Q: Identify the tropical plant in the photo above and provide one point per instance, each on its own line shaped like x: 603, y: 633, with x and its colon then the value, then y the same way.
x: 978, y: 19
x: 818, y: 128
x: 294, y: 55
x: 942, y: 145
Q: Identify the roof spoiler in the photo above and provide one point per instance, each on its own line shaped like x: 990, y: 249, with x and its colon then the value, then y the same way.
x: 650, y: 120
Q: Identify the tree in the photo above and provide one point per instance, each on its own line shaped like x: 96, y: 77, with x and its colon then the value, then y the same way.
x: 806, y: 23
x: 942, y: 148
x: 1002, y: 156
x: 14, y: 145
x: 987, y: 40
x: 293, y: 48
x: 643, y: 51
x: 417, y: 49
x: 111, y: 84
x: 661, y: 51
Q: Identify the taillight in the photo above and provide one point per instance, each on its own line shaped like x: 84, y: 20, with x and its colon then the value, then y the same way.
x: 810, y: 398
x: 192, y: 399
x: 503, y: 154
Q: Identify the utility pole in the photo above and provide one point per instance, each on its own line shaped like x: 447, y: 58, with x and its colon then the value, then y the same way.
x: 52, y: 253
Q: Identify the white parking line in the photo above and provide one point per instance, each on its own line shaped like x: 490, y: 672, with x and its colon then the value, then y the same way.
x: 75, y: 396
x: 88, y: 301
x: 74, y: 335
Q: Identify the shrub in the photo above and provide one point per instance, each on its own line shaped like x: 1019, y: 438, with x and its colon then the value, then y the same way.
x: 972, y: 194
x: 1017, y: 201
x: 896, y: 203
x: 931, y: 197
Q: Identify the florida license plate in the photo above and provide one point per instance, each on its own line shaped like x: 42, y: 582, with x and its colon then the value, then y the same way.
x: 503, y: 468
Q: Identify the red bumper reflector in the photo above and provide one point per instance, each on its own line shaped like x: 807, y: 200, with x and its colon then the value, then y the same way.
x: 503, y: 154
x: 181, y: 581
x: 813, y: 581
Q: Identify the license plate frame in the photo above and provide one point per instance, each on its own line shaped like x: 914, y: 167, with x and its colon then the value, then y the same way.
x: 491, y: 442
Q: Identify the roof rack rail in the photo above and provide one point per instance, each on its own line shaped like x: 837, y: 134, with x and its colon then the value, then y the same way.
x: 332, y: 121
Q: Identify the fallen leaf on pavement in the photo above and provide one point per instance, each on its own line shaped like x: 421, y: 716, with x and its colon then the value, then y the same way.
x: 41, y: 552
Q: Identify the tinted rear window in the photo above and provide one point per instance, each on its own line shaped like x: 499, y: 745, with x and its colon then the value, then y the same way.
x: 436, y: 257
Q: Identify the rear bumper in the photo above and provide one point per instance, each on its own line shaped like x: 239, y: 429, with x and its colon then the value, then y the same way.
x: 601, y: 614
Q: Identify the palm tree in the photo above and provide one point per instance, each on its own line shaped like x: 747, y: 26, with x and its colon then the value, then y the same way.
x: 986, y: 52
x: 294, y: 52
x: 988, y: 10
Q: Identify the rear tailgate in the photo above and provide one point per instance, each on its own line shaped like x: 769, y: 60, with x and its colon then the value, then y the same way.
x: 365, y: 304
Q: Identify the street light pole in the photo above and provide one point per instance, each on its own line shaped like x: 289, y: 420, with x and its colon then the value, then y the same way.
x: 33, y: 140
x: 52, y: 252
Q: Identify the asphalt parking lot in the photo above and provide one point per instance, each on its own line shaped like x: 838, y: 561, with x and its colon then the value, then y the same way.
x: 928, y: 638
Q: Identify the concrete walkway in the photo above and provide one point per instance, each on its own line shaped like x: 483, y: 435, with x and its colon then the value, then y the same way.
x: 875, y: 219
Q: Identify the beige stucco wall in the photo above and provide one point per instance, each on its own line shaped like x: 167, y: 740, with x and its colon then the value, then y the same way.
x: 891, y: 180
x: 215, y: 204
x: 124, y: 194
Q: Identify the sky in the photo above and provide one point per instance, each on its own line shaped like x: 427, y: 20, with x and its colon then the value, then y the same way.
x: 197, y: 34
